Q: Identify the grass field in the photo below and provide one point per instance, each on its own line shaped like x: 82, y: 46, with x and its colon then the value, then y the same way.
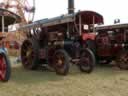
x: 103, y: 81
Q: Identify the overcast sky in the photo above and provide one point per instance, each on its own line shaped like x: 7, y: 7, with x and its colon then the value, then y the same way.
x: 110, y: 9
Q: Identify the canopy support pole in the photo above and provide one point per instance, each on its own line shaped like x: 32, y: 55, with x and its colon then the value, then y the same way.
x: 3, y: 27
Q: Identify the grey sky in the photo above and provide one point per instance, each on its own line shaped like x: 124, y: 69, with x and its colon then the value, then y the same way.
x: 110, y: 9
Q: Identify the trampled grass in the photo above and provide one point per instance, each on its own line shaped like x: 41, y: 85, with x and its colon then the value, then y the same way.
x: 103, y: 81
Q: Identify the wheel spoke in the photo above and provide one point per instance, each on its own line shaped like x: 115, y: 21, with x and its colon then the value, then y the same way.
x: 24, y: 59
x: 1, y: 75
x: 26, y: 62
x: 23, y: 51
x: 26, y: 45
x: 85, y: 59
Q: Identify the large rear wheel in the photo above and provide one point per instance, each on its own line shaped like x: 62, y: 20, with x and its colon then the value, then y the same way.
x: 87, y: 61
x: 30, y: 54
x: 61, y: 62
x: 5, y: 68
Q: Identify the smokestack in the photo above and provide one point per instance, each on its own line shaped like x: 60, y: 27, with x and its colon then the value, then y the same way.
x: 70, y: 6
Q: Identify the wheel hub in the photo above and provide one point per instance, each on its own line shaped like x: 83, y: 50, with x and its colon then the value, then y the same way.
x: 59, y: 59
x: 60, y: 62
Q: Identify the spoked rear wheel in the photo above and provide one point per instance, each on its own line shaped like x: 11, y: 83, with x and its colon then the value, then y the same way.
x: 87, y: 61
x: 29, y: 54
x: 61, y: 62
x: 5, y: 68
x: 122, y: 60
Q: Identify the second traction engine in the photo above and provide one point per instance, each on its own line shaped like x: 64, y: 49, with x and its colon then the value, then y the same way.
x: 112, y: 44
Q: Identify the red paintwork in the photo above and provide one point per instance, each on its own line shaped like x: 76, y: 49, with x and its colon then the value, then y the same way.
x: 87, y: 36
x: 87, y: 17
x: 2, y: 68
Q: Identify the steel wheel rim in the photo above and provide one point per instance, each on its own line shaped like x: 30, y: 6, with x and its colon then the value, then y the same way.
x: 2, y: 67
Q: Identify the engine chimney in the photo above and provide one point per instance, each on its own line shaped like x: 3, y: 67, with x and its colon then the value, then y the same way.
x: 70, y: 6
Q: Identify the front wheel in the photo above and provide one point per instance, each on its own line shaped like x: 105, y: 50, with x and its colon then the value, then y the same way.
x: 87, y: 61
x: 5, y: 68
x: 61, y: 62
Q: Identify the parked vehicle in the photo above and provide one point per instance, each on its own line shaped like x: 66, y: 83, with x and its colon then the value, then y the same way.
x: 5, y: 67
x: 6, y: 18
x: 112, y: 44
x: 59, y: 41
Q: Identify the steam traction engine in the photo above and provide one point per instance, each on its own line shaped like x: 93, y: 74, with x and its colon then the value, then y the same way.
x: 59, y: 41
x: 74, y: 38
x: 112, y: 44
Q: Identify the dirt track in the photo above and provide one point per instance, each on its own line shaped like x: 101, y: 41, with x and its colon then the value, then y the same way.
x: 103, y: 81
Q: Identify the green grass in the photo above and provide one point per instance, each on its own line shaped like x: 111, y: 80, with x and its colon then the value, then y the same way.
x: 103, y: 81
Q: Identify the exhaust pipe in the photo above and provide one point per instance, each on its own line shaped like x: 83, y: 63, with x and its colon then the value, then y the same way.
x: 70, y: 6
